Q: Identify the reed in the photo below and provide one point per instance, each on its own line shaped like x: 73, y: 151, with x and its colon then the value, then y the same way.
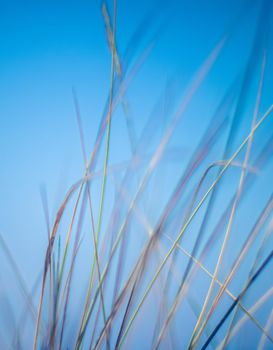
x: 179, y: 262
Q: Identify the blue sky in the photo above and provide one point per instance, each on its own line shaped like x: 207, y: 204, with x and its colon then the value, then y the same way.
x: 48, y: 47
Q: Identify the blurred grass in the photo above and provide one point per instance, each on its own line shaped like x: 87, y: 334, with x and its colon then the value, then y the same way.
x: 124, y: 270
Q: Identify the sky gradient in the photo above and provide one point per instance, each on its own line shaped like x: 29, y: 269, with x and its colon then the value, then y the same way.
x: 49, y: 48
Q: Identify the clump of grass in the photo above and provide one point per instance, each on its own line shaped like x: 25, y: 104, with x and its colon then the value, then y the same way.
x: 119, y: 285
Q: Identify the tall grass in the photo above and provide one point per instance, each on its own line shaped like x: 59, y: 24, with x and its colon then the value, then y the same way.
x: 195, y: 274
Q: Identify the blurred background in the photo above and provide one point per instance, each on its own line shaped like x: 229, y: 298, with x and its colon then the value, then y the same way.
x: 52, y: 51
